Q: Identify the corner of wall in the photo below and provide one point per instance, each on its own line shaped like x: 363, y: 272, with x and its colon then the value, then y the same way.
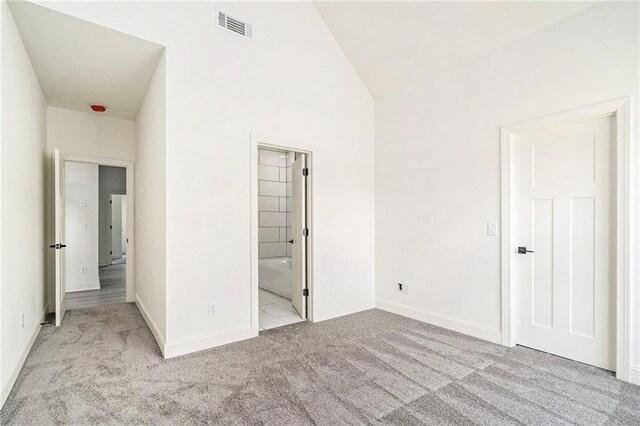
x: 155, y: 330
x: 476, y: 330
x: 150, y: 208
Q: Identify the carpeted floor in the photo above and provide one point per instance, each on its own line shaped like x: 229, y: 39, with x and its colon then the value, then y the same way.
x: 103, y: 366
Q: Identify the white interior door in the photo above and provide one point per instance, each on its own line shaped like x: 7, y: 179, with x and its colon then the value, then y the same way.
x: 564, y: 200
x: 59, y: 234
x: 116, y: 226
x: 299, y: 249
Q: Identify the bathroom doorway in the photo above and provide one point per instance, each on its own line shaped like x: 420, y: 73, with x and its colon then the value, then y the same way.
x: 282, y: 212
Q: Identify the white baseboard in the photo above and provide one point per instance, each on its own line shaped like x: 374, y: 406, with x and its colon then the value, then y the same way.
x: 634, y: 375
x: 152, y: 325
x: 6, y: 387
x: 476, y: 330
x: 339, y: 311
x: 207, y: 341
x: 90, y: 285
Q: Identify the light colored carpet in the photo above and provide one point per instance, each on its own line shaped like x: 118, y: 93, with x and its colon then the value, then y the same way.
x: 103, y: 366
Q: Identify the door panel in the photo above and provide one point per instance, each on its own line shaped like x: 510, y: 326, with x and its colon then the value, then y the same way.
x: 564, y: 206
x: 582, y: 258
x: 299, y: 249
x: 59, y: 234
x: 542, y: 278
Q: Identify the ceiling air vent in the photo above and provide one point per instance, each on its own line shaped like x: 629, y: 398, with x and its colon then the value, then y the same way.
x: 234, y: 25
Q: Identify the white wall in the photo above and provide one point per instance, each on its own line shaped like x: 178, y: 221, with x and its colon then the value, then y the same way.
x: 22, y: 211
x: 438, y: 160
x: 83, y: 134
x: 90, y: 134
x: 81, y: 226
x: 150, y: 206
x: 292, y: 81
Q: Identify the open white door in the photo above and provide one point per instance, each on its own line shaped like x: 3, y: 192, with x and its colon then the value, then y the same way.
x: 298, y: 229
x: 59, y: 244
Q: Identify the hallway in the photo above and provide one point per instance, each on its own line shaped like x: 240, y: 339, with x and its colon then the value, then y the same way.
x: 113, y: 289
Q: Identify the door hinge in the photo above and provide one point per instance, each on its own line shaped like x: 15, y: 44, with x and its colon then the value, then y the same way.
x: 110, y: 201
x: 110, y: 227
x: 305, y: 172
x: 110, y: 252
x: 305, y: 232
x: 305, y: 292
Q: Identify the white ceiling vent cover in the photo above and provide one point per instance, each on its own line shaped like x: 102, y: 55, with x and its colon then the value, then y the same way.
x: 234, y: 25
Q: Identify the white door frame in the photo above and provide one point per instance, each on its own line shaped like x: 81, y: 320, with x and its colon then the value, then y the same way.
x: 258, y: 141
x: 131, y: 257
x: 626, y: 222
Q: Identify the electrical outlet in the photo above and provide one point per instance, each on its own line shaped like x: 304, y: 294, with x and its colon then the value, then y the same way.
x: 212, y: 309
x: 83, y: 203
x: 22, y: 320
x: 84, y: 226
x: 405, y: 288
x: 492, y: 229
x: 84, y: 269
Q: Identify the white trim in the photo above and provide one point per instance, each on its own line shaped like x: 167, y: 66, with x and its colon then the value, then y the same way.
x: 151, y: 324
x: 634, y: 374
x: 207, y: 341
x: 466, y: 327
x: 626, y: 221
x: 82, y: 286
x: 6, y: 387
x: 309, y: 150
x: 131, y: 225
x: 339, y: 311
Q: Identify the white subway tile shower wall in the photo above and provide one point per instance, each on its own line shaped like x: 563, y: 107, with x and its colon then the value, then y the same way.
x: 274, y: 202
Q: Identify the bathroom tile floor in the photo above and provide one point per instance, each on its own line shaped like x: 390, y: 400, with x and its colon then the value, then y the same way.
x: 276, y: 311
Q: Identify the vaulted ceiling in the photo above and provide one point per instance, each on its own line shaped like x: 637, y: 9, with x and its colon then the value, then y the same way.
x: 79, y: 63
x: 391, y: 44
x: 395, y: 44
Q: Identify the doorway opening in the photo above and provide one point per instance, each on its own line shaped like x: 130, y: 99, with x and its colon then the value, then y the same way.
x: 283, y: 227
x: 109, y: 225
x: 93, y: 222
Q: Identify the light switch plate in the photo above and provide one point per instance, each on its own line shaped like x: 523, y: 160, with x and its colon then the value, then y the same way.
x: 492, y: 229
x: 84, y: 226
x: 83, y: 203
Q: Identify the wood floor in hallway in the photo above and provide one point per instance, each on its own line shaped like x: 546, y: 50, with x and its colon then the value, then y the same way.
x: 113, y: 289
